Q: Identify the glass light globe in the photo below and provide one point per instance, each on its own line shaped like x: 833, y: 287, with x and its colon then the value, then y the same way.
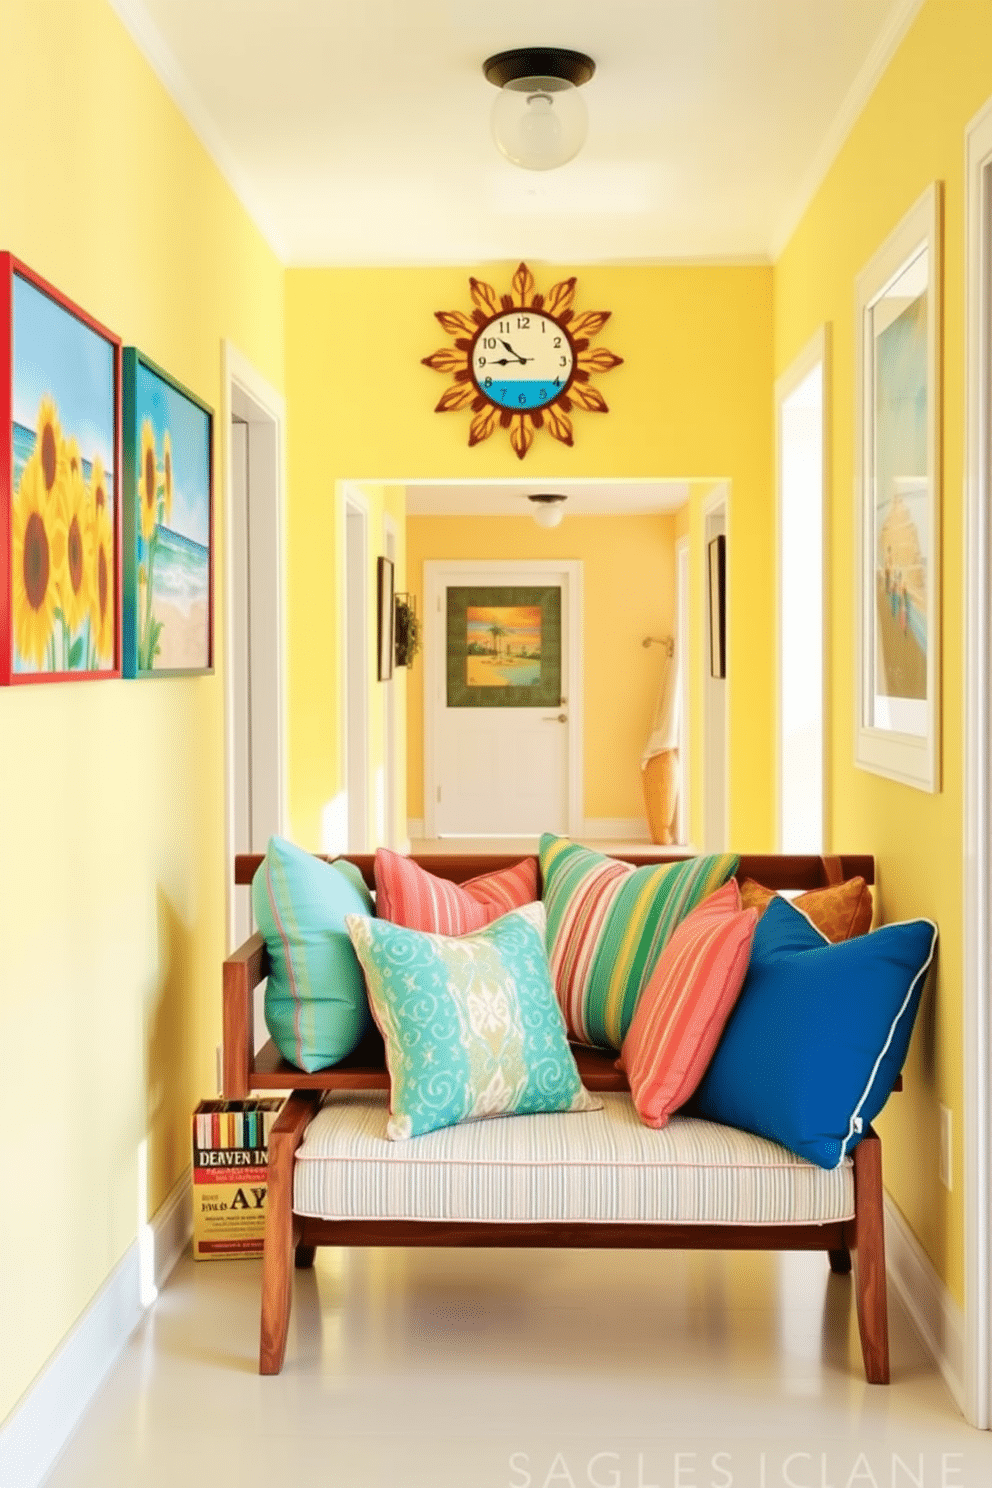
x: 548, y: 510
x: 539, y: 122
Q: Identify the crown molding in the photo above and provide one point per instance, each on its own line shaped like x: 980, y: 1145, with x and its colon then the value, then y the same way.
x: 162, y: 60
x: 889, y: 39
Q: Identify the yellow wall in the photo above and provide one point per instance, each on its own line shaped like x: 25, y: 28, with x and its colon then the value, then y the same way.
x: 692, y: 399
x: 911, y: 133
x: 628, y: 592
x: 111, y: 793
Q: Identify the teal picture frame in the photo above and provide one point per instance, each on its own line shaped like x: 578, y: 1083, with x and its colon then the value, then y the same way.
x: 168, y: 509
x: 498, y: 631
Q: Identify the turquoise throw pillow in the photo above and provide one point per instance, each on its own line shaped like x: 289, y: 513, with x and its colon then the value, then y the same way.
x: 470, y: 1022
x: 819, y: 1033
x: 315, y: 1004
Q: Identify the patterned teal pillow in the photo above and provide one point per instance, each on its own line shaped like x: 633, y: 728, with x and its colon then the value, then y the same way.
x: 315, y: 1005
x: 470, y: 1022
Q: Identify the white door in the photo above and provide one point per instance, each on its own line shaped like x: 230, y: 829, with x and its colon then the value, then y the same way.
x: 502, y: 707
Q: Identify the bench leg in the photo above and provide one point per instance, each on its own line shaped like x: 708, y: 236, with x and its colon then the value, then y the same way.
x: 280, y: 1232
x: 840, y: 1261
x: 304, y: 1257
x: 869, y: 1243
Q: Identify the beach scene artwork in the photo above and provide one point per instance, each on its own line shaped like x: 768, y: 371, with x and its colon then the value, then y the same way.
x: 172, y: 527
x: 63, y: 550
x: 902, y: 503
x: 503, y: 645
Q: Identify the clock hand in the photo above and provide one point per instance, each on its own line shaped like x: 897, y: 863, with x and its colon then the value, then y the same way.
x: 510, y: 349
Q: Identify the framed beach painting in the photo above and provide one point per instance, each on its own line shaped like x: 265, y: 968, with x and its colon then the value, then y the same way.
x: 60, y: 520
x: 168, y: 524
x: 503, y: 647
x: 897, y: 704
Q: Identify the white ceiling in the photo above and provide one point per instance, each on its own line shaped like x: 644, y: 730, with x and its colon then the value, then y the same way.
x: 357, y: 131
x: 509, y: 498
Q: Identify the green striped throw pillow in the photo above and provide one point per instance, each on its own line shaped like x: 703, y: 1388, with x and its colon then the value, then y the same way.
x: 608, y: 923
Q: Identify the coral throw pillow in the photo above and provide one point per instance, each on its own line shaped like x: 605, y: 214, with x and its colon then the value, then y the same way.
x: 682, y: 1011
x: 406, y: 894
x: 839, y: 912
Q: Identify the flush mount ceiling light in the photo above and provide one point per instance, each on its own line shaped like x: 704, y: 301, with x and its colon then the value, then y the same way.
x: 539, y: 118
x: 548, y: 509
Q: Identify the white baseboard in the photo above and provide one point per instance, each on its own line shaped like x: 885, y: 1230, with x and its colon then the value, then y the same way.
x: 937, y: 1317
x: 44, y: 1418
x: 616, y: 829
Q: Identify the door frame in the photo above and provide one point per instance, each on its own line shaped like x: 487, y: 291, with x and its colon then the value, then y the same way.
x: 977, y: 866
x: 246, y: 394
x: 354, y: 626
x: 683, y: 622
x: 815, y: 352
x: 716, y: 506
x: 438, y: 573
x: 387, y: 828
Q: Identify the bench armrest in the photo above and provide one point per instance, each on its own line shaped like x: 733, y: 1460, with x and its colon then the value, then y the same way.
x: 244, y: 969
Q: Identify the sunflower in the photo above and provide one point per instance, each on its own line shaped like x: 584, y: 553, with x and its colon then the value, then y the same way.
x: 75, y: 567
x: 51, y: 448
x: 98, y: 487
x: 148, y: 481
x: 167, y: 470
x: 531, y: 382
x: 73, y: 458
x: 35, y: 526
x: 102, y: 589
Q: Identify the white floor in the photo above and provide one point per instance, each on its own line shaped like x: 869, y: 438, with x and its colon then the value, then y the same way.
x: 527, y: 1369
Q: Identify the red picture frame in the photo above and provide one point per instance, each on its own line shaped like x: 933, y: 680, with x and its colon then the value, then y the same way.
x: 60, y: 486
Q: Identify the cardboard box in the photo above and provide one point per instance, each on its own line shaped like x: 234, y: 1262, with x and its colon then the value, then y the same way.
x: 230, y: 1176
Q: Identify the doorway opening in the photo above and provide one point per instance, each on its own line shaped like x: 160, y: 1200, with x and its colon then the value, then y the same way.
x: 800, y: 405
x: 355, y: 629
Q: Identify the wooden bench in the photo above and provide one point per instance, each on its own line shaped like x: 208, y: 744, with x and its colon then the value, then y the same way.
x: 292, y: 1236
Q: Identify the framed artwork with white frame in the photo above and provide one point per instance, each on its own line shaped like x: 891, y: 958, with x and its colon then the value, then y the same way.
x: 897, y: 486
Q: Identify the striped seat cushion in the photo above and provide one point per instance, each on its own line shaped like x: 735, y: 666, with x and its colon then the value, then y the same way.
x: 408, y: 895
x: 608, y: 923
x: 600, y: 1167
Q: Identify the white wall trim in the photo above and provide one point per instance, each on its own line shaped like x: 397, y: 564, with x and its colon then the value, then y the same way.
x: 45, y: 1417
x: 888, y: 42
x: 353, y: 612
x: 936, y: 1316
x: 716, y: 505
x: 237, y: 373
x: 977, y: 735
x: 160, y: 57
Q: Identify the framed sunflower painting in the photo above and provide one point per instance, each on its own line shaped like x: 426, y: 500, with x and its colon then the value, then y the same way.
x: 168, y: 524
x: 60, y: 531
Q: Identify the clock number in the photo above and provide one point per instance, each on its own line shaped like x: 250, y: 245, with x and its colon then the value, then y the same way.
x: 523, y: 322
x: 522, y: 399
x: 488, y: 382
x: 502, y: 393
x: 489, y: 342
x: 480, y: 361
x: 544, y: 395
x: 504, y: 326
x: 563, y: 361
x: 557, y: 382
x: 557, y: 343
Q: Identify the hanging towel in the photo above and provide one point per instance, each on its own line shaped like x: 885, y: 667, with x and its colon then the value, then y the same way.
x: 665, y: 725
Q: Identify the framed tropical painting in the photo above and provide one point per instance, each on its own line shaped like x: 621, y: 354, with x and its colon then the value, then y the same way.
x: 60, y: 519
x: 168, y: 524
x: 898, y: 294
x: 503, y: 646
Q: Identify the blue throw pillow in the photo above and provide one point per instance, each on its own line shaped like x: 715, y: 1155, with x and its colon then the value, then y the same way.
x: 819, y: 1033
x: 315, y: 1004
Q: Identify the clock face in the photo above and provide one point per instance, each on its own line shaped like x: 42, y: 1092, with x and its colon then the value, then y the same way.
x: 524, y: 359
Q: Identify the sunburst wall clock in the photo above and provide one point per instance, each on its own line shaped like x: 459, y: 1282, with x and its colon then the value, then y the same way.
x: 522, y: 361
